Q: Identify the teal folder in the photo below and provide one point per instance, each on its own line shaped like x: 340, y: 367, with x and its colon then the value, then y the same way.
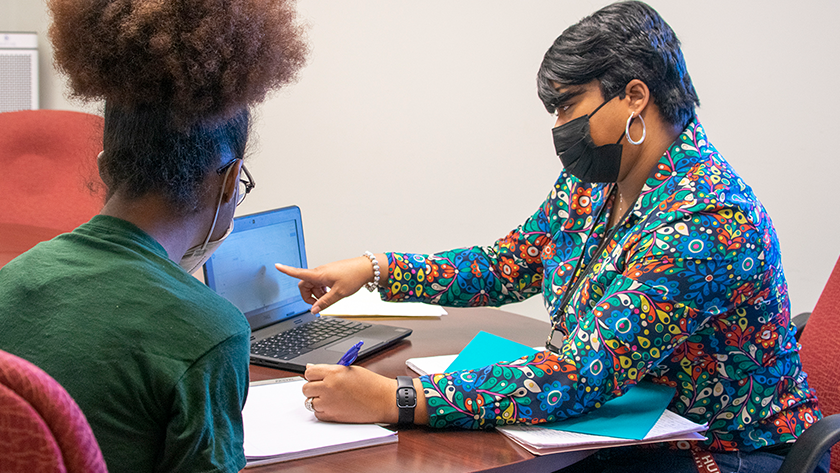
x: 630, y: 416
x: 486, y: 349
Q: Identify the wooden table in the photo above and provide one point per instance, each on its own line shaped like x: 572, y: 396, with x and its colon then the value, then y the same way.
x: 423, y: 449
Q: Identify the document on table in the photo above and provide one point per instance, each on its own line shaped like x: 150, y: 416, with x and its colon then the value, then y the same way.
x: 430, y: 364
x: 540, y: 440
x: 369, y: 304
x: 279, y: 428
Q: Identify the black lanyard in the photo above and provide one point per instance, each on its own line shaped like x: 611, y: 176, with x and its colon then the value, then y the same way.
x: 568, y: 295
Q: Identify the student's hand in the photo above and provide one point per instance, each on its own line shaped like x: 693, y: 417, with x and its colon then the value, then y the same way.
x: 353, y: 394
x: 327, y: 284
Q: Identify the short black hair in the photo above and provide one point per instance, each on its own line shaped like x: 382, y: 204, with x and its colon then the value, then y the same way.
x: 616, y: 44
x: 144, y: 154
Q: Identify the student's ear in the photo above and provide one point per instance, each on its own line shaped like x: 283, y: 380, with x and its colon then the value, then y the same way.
x: 232, y: 182
x: 638, y: 94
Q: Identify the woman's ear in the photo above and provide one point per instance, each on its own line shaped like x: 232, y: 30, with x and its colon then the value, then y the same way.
x: 106, y: 179
x: 231, y: 181
x: 638, y: 94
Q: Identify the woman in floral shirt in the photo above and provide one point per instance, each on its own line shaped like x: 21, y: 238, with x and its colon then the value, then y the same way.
x: 656, y: 261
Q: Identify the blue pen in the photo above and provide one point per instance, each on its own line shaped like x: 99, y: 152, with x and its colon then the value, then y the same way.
x: 351, y: 355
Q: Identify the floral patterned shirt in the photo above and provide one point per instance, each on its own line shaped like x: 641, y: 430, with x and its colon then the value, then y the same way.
x: 687, y: 290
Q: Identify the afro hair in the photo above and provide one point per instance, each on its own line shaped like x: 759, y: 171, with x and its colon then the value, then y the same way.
x: 202, y: 60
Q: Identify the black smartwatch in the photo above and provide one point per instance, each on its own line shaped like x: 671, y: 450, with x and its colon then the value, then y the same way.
x: 406, y: 399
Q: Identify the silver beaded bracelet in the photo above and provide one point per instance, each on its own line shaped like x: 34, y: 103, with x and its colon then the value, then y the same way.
x: 372, y: 286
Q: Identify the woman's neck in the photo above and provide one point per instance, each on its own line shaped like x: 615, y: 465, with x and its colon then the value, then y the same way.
x: 154, y: 215
x: 659, y: 139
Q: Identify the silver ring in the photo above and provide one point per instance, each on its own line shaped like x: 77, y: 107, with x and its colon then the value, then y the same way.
x: 308, y: 404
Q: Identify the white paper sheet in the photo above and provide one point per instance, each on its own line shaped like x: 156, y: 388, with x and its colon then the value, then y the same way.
x: 430, y: 364
x: 278, y: 427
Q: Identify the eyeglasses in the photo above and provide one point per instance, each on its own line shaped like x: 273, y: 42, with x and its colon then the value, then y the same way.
x: 246, y: 181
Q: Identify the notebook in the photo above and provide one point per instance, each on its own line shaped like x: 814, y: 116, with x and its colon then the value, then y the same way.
x: 278, y: 428
x: 242, y: 271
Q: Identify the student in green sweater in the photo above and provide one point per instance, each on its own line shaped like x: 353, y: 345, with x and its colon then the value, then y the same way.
x: 156, y: 360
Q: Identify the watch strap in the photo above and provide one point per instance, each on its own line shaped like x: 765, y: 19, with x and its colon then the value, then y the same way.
x: 406, y: 399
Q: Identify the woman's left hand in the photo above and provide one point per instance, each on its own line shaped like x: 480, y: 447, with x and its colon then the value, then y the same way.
x: 351, y: 394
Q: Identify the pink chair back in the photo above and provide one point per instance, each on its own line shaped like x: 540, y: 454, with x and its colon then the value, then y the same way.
x: 821, y: 350
x: 53, y: 185
x: 52, y: 153
x: 41, y: 428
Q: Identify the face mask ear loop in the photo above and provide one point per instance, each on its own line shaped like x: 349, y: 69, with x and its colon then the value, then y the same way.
x: 218, y: 206
x: 617, y: 94
x: 627, y: 130
x: 599, y: 106
x: 620, y: 137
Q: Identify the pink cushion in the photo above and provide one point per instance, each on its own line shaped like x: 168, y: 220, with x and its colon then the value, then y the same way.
x: 54, y: 408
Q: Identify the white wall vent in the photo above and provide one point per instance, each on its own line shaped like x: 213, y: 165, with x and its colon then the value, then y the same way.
x: 18, y: 71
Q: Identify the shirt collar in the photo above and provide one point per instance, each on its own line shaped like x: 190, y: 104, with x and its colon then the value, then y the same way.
x: 670, y: 171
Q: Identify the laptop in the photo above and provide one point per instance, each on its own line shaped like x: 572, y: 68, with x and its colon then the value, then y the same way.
x: 284, y: 333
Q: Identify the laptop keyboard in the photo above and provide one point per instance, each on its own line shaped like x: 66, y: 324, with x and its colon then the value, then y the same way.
x: 305, y: 338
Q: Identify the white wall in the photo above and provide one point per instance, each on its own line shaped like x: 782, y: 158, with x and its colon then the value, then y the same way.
x: 416, y: 125
x: 31, y: 16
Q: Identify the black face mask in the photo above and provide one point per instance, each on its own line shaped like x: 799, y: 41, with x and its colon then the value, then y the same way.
x: 581, y: 157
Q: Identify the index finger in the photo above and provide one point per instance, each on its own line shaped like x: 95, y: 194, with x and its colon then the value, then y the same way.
x: 310, y: 290
x: 297, y: 273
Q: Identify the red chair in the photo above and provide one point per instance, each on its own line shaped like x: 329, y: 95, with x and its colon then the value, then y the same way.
x: 54, y: 184
x: 41, y: 428
x: 819, y: 353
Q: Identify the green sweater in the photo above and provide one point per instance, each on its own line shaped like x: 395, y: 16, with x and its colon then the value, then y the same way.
x: 156, y: 360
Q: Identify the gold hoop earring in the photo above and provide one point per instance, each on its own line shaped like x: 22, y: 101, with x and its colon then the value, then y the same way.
x: 627, y: 130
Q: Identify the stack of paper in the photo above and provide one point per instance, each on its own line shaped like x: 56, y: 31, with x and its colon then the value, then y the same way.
x: 279, y: 428
x: 541, y: 440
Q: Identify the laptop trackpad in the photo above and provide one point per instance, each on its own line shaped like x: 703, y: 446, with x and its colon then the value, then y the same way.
x: 346, y: 344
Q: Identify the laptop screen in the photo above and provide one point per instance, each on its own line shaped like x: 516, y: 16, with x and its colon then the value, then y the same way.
x: 242, y: 268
